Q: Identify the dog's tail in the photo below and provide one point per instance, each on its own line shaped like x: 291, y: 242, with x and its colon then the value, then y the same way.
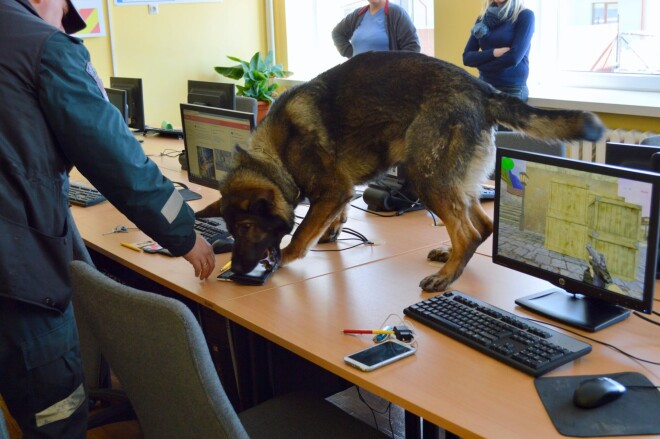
x: 545, y: 124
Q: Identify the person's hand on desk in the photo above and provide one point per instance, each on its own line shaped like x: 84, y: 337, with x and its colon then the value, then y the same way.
x: 201, y: 257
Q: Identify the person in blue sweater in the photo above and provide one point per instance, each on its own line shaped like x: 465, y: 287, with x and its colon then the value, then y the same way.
x: 499, y: 46
x: 377, y: 26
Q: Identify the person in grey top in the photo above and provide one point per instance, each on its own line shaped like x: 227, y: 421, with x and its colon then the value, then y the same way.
x: 378, y: 26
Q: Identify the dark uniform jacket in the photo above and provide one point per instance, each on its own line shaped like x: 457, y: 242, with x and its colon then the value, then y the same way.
x: 54, y: 115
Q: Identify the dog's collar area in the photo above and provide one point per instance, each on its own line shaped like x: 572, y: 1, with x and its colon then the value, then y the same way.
x: 287, y: 192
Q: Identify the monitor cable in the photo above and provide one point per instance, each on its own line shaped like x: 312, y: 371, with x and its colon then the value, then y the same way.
x: 655, y: 363
x: 646, y: 318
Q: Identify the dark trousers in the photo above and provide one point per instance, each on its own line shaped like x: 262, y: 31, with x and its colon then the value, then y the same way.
x: 41, y: 377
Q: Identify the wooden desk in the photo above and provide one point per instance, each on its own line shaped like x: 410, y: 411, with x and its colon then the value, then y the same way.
x: 446, y: 382
x: 176, y: 274
x: 304, y: 307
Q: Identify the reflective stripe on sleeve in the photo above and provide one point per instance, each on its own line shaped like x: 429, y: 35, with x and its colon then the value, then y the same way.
x: 62, y: 409
x: 172, y: 207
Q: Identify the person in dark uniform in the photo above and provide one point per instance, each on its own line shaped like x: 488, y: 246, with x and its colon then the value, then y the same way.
x: 55, y: 115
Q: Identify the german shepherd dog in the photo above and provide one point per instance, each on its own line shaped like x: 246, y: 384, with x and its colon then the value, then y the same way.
x: 352, y: 123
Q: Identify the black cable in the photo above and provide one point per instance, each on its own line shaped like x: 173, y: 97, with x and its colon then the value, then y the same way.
x: 596, y: 341
x: 387, y: 409
x: 363, y: 241
x: 646, y: 318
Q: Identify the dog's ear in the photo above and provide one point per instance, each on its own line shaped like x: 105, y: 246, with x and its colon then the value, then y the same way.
x: 261, y: 203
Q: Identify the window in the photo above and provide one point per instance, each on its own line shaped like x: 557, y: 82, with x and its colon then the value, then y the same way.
x: 596, y: 44
x: 309, y: 26
x: 602, y: 13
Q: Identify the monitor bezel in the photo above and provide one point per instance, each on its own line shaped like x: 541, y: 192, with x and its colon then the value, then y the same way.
x: 222, y: 94
x: 109, y: 91
x: 133, y: 87
x: 644, y: 305
x: 636, y: 148
x: 249, y: 117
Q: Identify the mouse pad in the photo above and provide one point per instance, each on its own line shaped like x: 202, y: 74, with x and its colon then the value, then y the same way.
x: 636, y: 412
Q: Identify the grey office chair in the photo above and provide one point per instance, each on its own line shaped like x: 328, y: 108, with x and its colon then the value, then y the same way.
x: 4, y: 434
x: 651, y: 140
x: 157, y: 351
x: 248, y: 105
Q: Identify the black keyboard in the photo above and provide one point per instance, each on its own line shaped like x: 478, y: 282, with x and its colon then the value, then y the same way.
x: 212, y: 229
x: 506, y: 337
x: 84, y: 196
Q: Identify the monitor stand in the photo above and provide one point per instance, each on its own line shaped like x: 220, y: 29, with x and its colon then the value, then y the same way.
x: 574, y: 309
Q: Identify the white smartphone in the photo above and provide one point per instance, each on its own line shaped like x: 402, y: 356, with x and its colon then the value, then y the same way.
x: 379, y: 355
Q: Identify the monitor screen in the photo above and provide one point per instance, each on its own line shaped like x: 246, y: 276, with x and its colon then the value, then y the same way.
x: 210, y: 136
x: 118, y: 98
x: 588, y: 228
x: 133, y: 87
x: 212, y: 94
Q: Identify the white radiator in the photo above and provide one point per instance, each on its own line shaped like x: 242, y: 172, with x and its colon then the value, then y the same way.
x: 595, y: 151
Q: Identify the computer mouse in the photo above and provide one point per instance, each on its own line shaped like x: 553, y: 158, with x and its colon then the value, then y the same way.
x: 223, y: 245
x: 596, y: 392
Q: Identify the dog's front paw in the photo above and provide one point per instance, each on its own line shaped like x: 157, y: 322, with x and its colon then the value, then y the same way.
x: 440, y: 254
x: 331, y: 234
x: 434, y: 283
x: 288, y: 256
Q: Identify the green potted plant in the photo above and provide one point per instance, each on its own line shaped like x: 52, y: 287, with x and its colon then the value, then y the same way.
x: 257, y: 75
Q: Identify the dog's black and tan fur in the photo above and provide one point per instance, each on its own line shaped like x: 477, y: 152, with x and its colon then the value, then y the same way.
x: 352, y: 123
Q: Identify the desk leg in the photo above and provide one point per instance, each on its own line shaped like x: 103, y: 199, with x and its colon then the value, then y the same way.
x: 413, y: 426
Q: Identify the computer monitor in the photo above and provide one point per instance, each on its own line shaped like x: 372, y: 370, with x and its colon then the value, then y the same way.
x: 212, y: 94
x: 588, y: 228
x: 632, y: 155
x: 133, y: 87
x: 210, y: 136
x: 118, y: 98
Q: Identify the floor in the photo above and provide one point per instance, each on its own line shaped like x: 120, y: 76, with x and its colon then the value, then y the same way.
x: 363, y: 405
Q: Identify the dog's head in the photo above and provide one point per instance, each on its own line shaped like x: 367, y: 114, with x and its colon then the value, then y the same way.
x: 253, y: 219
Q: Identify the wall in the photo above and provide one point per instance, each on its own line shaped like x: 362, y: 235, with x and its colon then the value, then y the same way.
x: 181, y: 42
x: 185, y: 41
x: 453, y: 21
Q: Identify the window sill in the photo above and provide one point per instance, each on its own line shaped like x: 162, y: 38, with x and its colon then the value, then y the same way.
x: 634, y: 103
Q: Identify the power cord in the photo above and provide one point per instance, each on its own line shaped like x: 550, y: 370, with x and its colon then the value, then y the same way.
x: 646, y: 318
x: 363, y: 241
x: 387, y: 410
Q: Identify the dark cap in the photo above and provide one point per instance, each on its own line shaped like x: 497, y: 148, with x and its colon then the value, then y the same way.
x: 72, y: 21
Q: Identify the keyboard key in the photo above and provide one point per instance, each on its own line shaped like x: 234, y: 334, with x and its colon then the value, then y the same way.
x: 85, y: 196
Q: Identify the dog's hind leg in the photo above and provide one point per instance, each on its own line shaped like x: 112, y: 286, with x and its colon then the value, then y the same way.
x: 456, y: 212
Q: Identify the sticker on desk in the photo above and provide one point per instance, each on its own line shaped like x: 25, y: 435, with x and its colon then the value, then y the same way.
x: 148, y: 246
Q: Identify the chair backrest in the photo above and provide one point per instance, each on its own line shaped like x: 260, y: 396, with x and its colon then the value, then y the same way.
x: 516, y: 140
x: 4, y: 434
x: 651, y: 140
x: 157, y: 350
x: 247, y: 105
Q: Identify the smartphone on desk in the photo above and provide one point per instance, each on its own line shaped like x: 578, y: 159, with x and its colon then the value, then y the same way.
x: 379, y: 355
x: 258, y: 276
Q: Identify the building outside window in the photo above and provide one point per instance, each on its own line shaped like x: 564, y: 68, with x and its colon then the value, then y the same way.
x: 612, y: 45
